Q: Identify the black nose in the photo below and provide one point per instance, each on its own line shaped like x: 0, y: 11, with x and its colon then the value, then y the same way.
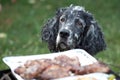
x: 64, y: 33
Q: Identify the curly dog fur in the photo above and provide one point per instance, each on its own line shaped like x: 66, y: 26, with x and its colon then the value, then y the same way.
x: 71, y: 28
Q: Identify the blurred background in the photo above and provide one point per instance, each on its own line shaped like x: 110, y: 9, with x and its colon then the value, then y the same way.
x: 21, y: 22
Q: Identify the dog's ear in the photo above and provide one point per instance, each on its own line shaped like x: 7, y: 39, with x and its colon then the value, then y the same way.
x: 50, y: 30
x: 93, y: 40
x: 90, y: 21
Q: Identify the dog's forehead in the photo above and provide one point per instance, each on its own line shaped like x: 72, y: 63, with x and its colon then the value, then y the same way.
x: 74, y: 10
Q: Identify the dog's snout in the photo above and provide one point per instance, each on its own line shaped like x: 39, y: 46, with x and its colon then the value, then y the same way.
x: 64, y: 33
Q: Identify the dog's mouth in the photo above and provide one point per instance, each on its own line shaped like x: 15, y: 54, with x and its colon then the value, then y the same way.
x: 62, y: 46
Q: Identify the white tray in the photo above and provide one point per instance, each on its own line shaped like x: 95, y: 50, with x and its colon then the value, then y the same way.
x: 14, y: 61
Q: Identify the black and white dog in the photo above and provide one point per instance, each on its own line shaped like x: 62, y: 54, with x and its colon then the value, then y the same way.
x: 71, y: 28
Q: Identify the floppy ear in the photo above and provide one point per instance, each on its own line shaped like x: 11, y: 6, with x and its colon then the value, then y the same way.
x: 93, y: 40
x: 50, y: 30
x: 48, y: 33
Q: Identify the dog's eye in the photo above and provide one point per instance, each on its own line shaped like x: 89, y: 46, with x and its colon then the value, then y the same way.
x: 77, y: 22
x: 62, y: 19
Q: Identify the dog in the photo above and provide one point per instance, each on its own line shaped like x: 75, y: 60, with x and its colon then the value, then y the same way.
x: 73, y: 28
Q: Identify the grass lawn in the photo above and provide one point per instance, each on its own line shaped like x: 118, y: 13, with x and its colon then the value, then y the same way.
x: 21, y: 22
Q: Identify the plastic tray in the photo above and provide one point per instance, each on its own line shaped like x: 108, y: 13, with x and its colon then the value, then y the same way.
x: 15, y: 61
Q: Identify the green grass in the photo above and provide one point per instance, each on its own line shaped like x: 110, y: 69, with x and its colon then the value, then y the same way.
x: 22, y: 22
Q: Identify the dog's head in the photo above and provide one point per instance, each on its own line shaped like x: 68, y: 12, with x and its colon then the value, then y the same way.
x: 71, y: 28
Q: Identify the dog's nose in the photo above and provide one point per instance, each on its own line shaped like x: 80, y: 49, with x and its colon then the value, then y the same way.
x: 64, y: 33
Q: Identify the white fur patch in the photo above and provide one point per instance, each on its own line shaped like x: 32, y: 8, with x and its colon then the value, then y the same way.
x: 76, y: 36
x: 67, y: 28
x: 58, y: 39
x: 80, y: 8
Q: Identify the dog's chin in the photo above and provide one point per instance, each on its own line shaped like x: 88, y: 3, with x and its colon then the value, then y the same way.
x: 62, y: 46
